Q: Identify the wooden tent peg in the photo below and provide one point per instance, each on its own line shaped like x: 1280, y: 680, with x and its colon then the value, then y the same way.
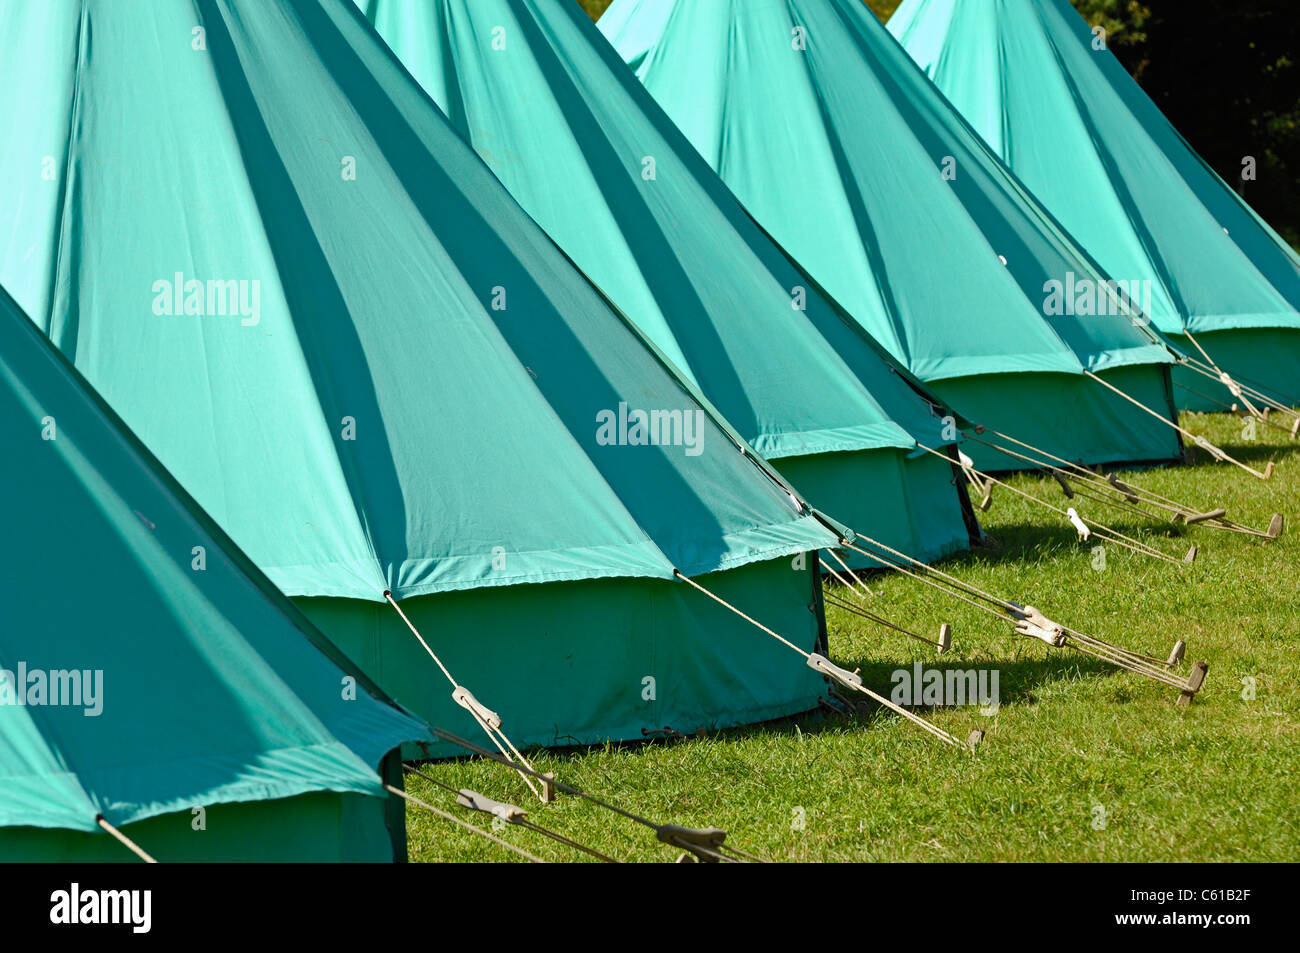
x: 1202, y: 517
x: 1176, y: 656
x: 478, y: 802
x: 1194, y: 683
x: 1118, y: 484
x: 1065, y: 486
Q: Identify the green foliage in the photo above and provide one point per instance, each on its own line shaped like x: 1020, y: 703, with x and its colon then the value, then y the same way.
x: 1212, y: 782
x: 1123, y: 20
x: 1226, y: 75
x: 883, y: 8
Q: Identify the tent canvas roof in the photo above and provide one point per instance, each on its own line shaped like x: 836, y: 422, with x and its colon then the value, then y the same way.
x: 1080, y: 132
x: 567, y: 128
x: 838, y: 145
x: 413, y: 377
x: 212, y: 687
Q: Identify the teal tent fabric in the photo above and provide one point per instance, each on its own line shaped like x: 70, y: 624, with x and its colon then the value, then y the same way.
x: 422, y: 377
x: 416, y: 391
x: 538, y: 92
x: 533, y: 86
x: 583, y: 662
x: 842, y: 149
x: 322, y: 827
x: 1062, y: 112
x: 146, y: 667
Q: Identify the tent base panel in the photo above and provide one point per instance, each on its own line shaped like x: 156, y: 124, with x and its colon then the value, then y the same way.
x: 578, y: 663
x: 322, y: 827
x: 1264, y: 358
x: 1071, y: 416
x: 914, y: 506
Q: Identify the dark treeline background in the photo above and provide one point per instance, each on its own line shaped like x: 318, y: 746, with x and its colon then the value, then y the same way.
x: 1225, y: 72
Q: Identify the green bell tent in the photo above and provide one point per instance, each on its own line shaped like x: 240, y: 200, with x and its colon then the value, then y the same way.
x: 1062, y: 112
x: 539, y: 93
x: 276, y: 259
x: 165, y: 686
x: 843, y: 150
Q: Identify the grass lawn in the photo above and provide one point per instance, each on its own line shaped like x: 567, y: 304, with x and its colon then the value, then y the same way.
x: 1081, y: 762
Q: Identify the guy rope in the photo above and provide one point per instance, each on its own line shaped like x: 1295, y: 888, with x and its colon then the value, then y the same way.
x: 126, y: 842
x: 1240, y: 391
x: 1200, y: 441
x: 506, y: 813
x: 1029, y: 621
x: 852, y: 583
x: 1126, y: 496
x: 850, y: 680
x: 1105, y: 532
x: 438, y: 812
x: 1263, y: 417
x: 707, y: 845
x: 487, y: 719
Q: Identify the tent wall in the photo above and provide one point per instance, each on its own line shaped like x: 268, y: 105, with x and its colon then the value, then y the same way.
x: 566, y: 663
x: 323, y: 827
x: 1254, y: 355
x: 390, y: 769
x: 1102, y: 427
x: 909, y: 505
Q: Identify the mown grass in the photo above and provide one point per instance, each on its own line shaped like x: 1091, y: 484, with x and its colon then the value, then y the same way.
x: 1212, y: 782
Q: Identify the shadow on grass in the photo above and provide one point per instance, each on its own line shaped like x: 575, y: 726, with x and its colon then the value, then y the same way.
x: 1019, y: 682
x: 1029, y: 542
x: 1026, y: 542
x: 1254, y: 452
